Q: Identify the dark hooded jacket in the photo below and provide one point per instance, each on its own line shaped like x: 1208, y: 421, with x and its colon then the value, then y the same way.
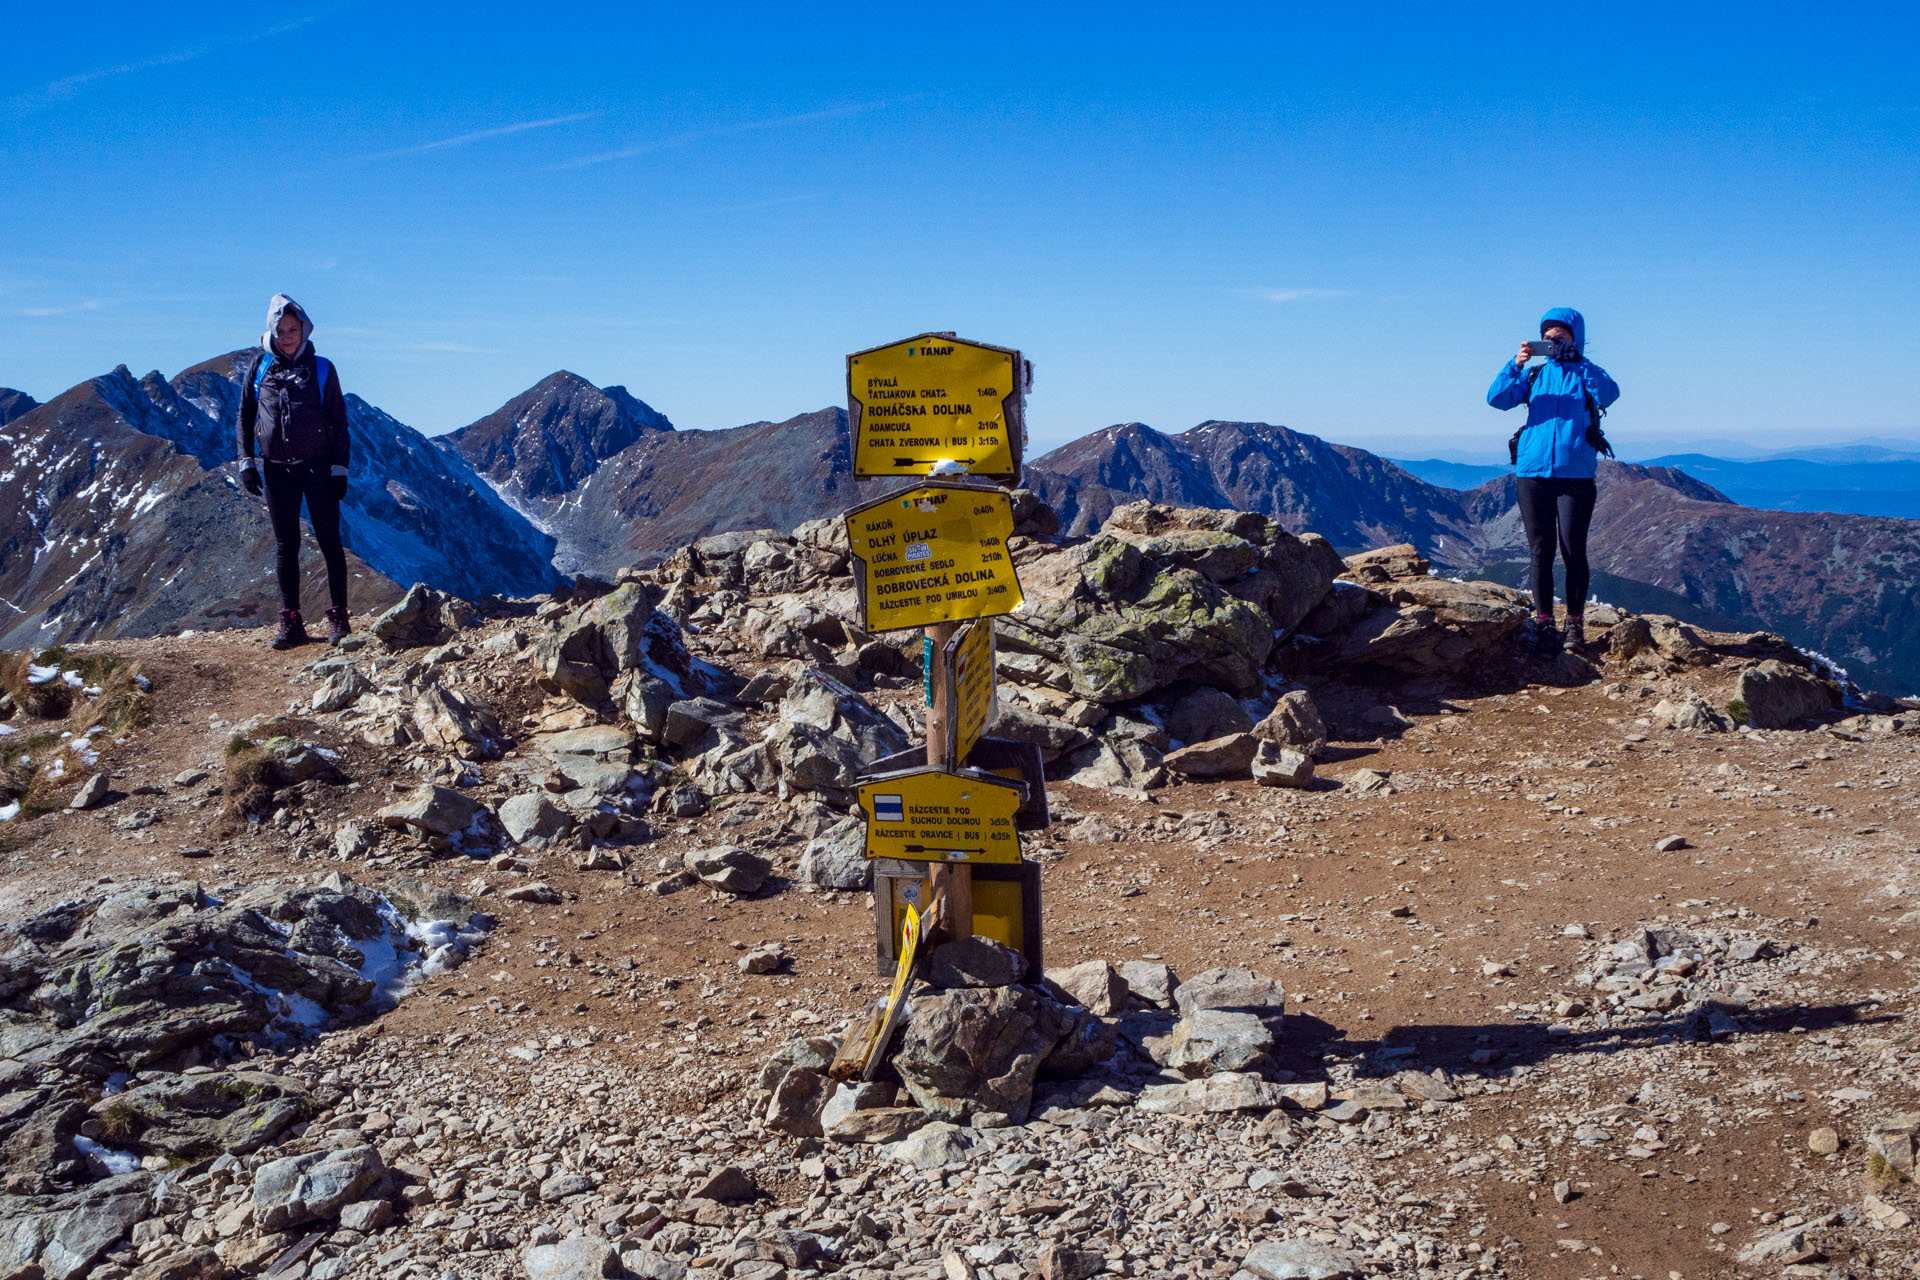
x: 1554, y: 441
x: 295, y: 418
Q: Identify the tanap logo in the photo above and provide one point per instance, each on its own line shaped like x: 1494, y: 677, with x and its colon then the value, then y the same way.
x: 913, y: 351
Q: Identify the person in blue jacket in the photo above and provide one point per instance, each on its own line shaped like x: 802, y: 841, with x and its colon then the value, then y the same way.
x: 1554, y: 462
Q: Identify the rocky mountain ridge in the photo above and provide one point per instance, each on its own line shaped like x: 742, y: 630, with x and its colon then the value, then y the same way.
x: 125, y: 520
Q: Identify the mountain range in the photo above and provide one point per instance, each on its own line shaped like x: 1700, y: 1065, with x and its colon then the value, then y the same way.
x: 119, y: 488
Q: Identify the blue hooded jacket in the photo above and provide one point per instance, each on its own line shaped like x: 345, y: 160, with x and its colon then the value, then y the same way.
x: 1554, y: 441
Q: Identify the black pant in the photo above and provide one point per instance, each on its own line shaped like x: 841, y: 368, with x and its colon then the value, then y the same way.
x: 287, y: 484
x: 1555, y: 510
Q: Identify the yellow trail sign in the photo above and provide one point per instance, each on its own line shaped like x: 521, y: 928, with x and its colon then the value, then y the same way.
x: 934, y: 553
x: 970, y: 700
x: 933, y: 398
x: 930, y: 815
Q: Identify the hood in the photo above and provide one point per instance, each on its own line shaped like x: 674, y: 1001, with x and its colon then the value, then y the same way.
x: 282, y: 304
x: 1559, y: 315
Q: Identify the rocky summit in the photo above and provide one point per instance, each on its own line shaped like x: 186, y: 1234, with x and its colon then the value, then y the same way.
x: 532, y: 935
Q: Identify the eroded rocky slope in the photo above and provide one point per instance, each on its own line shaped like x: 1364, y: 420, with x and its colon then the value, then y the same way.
x: 1373, y: 948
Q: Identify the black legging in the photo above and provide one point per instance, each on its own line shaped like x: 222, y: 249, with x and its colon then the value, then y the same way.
x: 1555, y: 510
x: 286, y: 486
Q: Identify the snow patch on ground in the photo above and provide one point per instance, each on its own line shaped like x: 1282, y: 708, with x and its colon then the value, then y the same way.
x: 114, y: 1162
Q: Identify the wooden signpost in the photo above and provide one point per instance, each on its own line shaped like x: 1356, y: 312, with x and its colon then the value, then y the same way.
x: 934, y: 555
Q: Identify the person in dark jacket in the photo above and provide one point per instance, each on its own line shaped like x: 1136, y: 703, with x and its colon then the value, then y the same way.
x: 1554, y: 463
x: 290, y: 401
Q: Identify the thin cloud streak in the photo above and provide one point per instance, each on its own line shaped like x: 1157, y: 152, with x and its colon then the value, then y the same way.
x: 1299, y: 295
x: 481, y: 135
x: 752, y: 126
x: 42, y: 313
x: 68, y: 86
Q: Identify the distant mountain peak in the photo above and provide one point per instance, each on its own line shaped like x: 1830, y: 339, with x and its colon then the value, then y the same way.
x: 547, y: 440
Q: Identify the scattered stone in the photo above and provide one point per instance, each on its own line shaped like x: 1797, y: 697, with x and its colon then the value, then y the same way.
x: 1228, y: 757
x: 1213, y: 1040
x: 92, y: 793
x: 768, y: 957
x: 535, y: 893
x: 1277, y: 766
x: 1823, y: 1141
x: 1369, y: 782
x: 1779, y: 696
x: 1671, y: 844
x: 729, y: 868
x: 728, y: 1184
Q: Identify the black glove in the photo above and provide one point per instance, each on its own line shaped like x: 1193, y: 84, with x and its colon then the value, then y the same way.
x: 339, y: 488
x: 250, y: 479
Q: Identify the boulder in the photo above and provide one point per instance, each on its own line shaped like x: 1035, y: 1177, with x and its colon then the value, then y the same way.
x: 600, y: 740
x: 575, y: 1258
x: 531, y: 818
x: 1150, y: 982
x: 1224, y: 1091
x: 1207, y: 1041
x: 1113, y: 624
x: 795, y: 1101
x: 974, y: 962
x: 1429, y: 626
x: 933, y: 1146
x: 1115, y: 762
x: 1688, y: 715
x: 1294, y: 723
x: 62, y: 1237
x: 1247, y: 553
x: 729, y: 868
x: 1369, y: 782
x: 1092, y: 984
x: 436, y: 810
x: 340, y: 689
x: 1228, y: 757
x: 189, y: 1117
x: 92, y: 793
x: 1227, y: 988
x: 972, y: 1050
x: 1277, y: 766
x: 837, y: 858
x: 423, y: 617
x: 459, y: 723
x: 312, y: 1186
x: 1779, y: 696
x: 1301, y: 1259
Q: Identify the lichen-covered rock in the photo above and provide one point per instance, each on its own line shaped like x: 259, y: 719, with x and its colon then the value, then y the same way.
x: 1114, y: 624
x: 193, y: 1116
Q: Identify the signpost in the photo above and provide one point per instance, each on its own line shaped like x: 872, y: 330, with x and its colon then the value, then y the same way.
x: 934, y: 553
x: 933, y: 399
x: 940, y: 815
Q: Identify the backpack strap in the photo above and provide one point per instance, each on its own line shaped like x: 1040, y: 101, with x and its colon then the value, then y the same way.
x: 322, y: 365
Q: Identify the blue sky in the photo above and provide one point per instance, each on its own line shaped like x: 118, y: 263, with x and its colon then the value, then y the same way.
x: 1340, y: 221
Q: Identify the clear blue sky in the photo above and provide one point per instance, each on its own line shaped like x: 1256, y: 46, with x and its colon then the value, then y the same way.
x: 1341, y: 222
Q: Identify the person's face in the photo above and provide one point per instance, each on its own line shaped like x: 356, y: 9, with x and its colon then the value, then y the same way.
x: 286, y: 334
x: 1557, y: 333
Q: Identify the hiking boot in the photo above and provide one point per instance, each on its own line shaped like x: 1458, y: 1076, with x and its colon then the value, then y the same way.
x: 1544, y: 641
x: 337, y: 628
x: 1576, y: 631
x: 293, y: 632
